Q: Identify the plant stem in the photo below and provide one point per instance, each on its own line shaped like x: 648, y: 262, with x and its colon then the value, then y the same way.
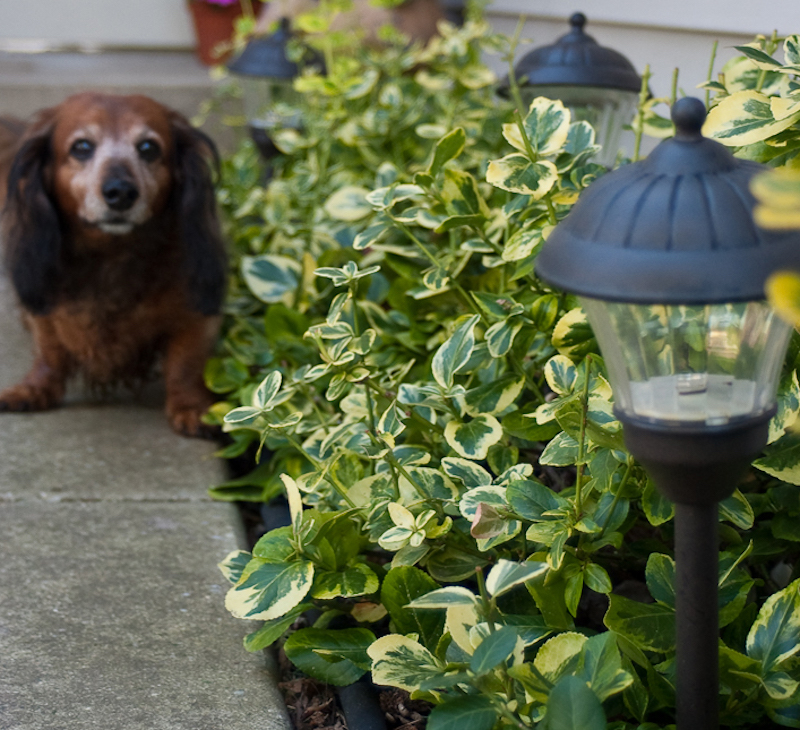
x: 529, y: 381
x: 421, y: 246
x: 582, y: 441
x: 512, y: 77
x: 674, y: 93
x: 487, y: 604
x: 711, y: 70
x: 643, y: 94
x: 617, y: 496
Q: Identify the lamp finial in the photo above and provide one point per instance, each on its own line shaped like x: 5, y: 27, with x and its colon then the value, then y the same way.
x: 688, y: 115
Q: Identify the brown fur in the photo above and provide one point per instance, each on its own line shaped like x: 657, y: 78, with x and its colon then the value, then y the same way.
x: 116, y: 255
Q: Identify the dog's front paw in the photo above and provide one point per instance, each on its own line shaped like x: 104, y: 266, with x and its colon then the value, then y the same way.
x: 27, y: 397
x: 188, y: 421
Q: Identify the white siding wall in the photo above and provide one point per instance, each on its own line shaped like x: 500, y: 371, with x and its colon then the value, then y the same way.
x: 37, y: 24
x: 663, y: 34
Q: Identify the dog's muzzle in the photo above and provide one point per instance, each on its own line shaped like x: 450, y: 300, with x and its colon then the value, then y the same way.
x: 119, y: 193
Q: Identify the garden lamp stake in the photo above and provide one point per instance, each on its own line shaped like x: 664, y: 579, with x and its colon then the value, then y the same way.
x: 671, y: 268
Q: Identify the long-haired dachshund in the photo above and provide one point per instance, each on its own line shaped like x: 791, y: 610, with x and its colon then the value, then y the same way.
x: 112, y: 243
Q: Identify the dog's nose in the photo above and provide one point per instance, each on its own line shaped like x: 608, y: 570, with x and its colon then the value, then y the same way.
x: 119, y: 194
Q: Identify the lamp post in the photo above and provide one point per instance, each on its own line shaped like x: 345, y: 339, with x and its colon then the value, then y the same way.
x: 597, y: 84
x: 671, y: 269
x: 267, y: 77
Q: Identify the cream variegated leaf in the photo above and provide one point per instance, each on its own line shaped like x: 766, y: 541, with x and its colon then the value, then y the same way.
x: 472, y: 439
x: 517, y: 174
x: 295, y: 500
x: 268, y: 590
x: 556, y: 652
x: 357, y: 580
x: 348, y: 204
x: 546, y: 126
x: 460, y: 620
x: 744, y: 118
x: 774, y: 637
x: 398, y: 661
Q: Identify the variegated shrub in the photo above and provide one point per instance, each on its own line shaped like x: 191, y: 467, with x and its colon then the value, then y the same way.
x: 440, y: 423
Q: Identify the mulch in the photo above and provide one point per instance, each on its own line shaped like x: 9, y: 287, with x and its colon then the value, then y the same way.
x: 314, y: 705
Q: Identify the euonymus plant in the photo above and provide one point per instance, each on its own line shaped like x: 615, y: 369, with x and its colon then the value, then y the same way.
x: 464, y: 516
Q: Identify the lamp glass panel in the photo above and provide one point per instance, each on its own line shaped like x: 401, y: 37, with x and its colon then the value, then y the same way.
x: 607, y: 110
x: 270, y: 102
x: 711, y: 364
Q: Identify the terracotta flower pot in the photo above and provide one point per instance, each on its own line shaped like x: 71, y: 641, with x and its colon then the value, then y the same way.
x: 213, y: 25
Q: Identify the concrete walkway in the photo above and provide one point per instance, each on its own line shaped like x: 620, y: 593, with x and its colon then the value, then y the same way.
x: 111, y: 604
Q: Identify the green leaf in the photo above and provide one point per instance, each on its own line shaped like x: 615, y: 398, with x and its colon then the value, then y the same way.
x: 309, y: 649
x: 517, y: 174
x: 348, y: 204
x: 737, y: 509
x: 445, y: 597
x: 507, y: 574
x: 370, y: 236
x: 461, y: 194
x: 271, y: 278
x: 530, y: 499
x: 763, y: 60
x: 268, y: 590
x: 775, y: 634
x: 400, y: 587
x: 500, y: 336
x: 244, y: 416
x: 469, y: 473
x: 495, y: 649
x: 447, y: 148
x: 660, y: 577
x: 494, y: 397
x: 650, y: 627
x: 561, y: 451
x: 546, y: 126
x: 744, y: 118
x: 452, y: 564
x: 522, y: 244
x: 657, y: 508
x: 782, y: 459
x: 788, y: 398
x: 398, y: 661
x: 272, y: 630
x: 473, y: 438
x: 559, y: 655
x: 265, y: 393
x: 383, y: 198
x: 561, y: 374
x: 357, y: 580
x: 233, y: 565
x: 573, y: 706
x: 602, y: 666
x: 596, y: 578
x: 455, y: 352
x: 573, y: 336
x: 473, y: 712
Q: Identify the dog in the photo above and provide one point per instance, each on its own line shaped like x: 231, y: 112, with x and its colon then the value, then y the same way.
x: 113, y: 245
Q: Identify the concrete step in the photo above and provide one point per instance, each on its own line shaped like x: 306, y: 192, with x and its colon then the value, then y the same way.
x: 33, y: 81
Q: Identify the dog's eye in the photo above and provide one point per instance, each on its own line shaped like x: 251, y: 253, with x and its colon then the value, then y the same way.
x: 149, y: 150
x: 82, y: 149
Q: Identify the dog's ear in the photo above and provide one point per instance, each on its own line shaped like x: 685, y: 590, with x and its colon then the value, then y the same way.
x: 205, y: 260
x: 31, y: 227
